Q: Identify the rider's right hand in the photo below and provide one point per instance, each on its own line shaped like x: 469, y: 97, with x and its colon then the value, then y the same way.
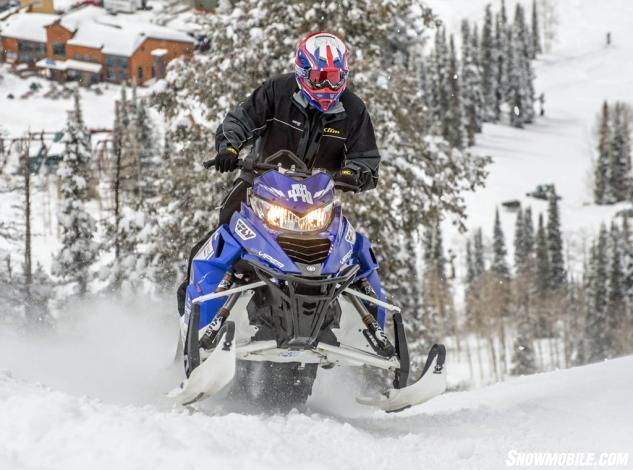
x: 226, y: 160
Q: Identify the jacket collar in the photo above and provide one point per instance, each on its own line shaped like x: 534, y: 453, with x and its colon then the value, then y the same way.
x: 303, y: 102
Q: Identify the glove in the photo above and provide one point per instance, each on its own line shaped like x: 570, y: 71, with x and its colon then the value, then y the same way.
x: 226, y: 160
x: 349, y: 176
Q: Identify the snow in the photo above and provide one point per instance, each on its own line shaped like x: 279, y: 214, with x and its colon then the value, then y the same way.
x: 28, y: 26
x: 104, y: 411
x: 69, y: 64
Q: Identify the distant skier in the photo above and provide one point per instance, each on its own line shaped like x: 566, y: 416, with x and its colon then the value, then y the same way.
x: 541, y: 102
x: 310, y: 113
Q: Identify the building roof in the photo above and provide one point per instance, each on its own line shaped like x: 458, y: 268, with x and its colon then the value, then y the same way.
x: 93, y: 27
x: 114, y: 35
x: 28, y: 26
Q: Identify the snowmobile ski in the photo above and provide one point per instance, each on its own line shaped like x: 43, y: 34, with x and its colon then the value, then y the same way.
x: 213, y: 374
x: 431, y: 383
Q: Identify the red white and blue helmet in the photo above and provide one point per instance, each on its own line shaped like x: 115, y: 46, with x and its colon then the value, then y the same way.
x: 321, y: 69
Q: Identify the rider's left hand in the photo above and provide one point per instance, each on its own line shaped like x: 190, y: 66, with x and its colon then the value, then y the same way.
x: 349, y: 176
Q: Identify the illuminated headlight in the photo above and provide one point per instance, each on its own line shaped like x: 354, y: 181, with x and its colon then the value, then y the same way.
x: 282, y: 218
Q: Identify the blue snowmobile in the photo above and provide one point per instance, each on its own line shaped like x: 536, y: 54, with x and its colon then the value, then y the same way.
x: 288, y: 286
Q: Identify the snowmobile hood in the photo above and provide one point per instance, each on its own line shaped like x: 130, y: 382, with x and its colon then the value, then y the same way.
x: 299, y: 196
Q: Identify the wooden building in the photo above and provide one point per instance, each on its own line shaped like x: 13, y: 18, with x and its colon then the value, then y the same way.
x: 91, y: 45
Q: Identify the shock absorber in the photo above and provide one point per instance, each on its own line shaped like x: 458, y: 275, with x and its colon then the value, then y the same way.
x: 212, y: 330
x: 374, y: 333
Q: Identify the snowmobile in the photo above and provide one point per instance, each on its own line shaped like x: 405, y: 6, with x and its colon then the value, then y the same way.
x: 288, y: 286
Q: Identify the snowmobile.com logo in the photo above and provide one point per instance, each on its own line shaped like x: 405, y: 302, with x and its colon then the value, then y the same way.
x: 567, y: 459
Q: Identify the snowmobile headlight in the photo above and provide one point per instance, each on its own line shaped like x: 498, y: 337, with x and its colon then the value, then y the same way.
x: 280, y: 217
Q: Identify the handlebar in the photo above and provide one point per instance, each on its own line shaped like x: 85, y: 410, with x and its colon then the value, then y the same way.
x: 251, y: 166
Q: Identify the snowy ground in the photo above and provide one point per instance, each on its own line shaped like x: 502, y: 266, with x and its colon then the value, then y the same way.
x: 576, y: 410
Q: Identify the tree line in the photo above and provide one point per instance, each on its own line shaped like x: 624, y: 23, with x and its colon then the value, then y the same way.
x: 492, y: 80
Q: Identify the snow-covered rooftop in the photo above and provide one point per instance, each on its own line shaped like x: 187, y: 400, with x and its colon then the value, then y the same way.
x: 92, y: 27
x: 115, y: 35
x: 27, y: 26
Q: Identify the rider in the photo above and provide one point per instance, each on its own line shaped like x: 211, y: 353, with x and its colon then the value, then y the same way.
x: 310, y: 113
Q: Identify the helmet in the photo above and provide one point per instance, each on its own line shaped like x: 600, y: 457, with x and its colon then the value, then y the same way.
x: 321, y: 69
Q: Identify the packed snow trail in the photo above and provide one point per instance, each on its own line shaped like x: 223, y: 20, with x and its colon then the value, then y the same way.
x: 586, y: 409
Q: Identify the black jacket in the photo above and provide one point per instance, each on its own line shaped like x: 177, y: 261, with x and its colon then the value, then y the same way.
x: 278, y: 117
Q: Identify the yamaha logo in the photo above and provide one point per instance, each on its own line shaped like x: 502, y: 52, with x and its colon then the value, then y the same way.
x: 311, y: 268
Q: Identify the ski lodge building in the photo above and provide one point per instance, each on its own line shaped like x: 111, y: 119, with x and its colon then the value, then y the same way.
x: 90, y: 45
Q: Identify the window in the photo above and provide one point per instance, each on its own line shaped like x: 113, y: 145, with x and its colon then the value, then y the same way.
x: 109, y: 60
x: 139, y: 73
x: 77, y: 56
x: 59, y: 48
x: 123, y: 62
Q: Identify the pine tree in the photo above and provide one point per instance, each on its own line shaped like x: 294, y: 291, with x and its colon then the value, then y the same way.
x: 596, y: 322
x: 79, y: 250
x: 528, y: 235
x: 472, y: 92
x: 619, y: 157
x: 501, y: 79
x: 557, y: 271
x: 454, y: 120
x: 479, y: 263
x: 536, y: 33
x: 499, y: 262
x: 616, y: 305
x: 601, y: 171
x: 488, y: 60
x: 543, y: 270
x: 439, y: 79
x: 470, y: 265
x: 519, y: 243
x: 627, y: 262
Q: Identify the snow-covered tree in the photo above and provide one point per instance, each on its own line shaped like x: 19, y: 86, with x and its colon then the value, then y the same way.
x: 454, y: 120
x: 79, y: 249
x: 519, y: 242
x: 479, y: 261
x: 619, y: 157
x: 488, y: 60
x: 536, y: 32
x: 499, y: 253
x: 543, y: 270
x: 558, y: 275
x: 601, y: 169
x: 471, y: 83
x: 596, y: 321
